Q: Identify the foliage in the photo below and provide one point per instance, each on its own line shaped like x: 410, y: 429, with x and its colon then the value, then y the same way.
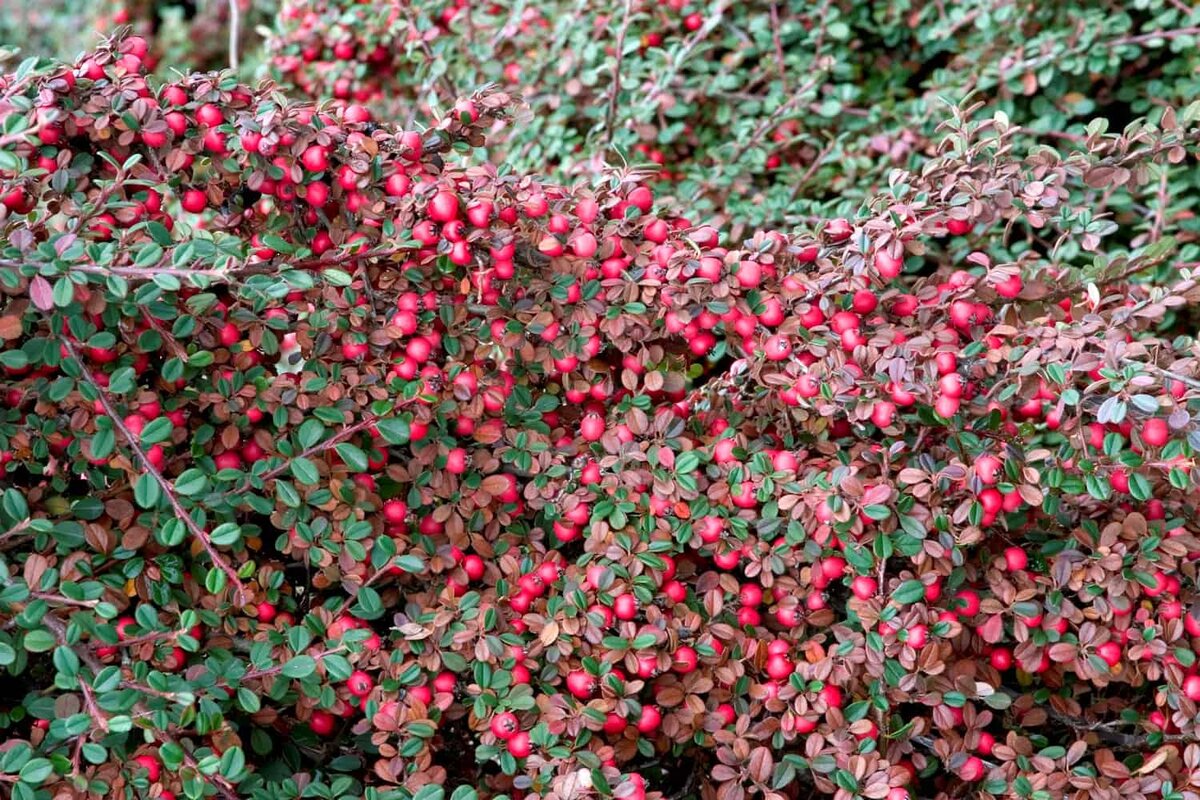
x: 757, y: 112
x: 328, y: 447
x: 185, y: 35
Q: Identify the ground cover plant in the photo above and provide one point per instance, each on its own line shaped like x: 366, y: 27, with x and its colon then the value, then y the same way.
x: 339, y: 462
x: 760, y: 112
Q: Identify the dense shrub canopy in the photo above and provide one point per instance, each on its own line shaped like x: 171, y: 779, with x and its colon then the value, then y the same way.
x: 340, y: 463
x: 757, y: 112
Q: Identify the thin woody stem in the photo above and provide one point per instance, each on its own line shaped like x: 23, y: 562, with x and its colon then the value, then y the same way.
x: 168, y: 491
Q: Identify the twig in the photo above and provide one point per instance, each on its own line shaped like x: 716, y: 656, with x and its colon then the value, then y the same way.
x: 611, y: 113
x: 134, y: 641
x: 797, y: 97
x: 1138, y: 265
x: 320, y: 447
x: 778, y: 42
x: 235, y: 19
x: 58, y: 629
x: 51, y: 597
x: 443, y: 79
x: 1160, y: 212
x: 1152, y: 35
x: 668, y: 75
x: 241, y: 595
x: 275, y: 670
x: 16, y: 530
x: 1166, y: 373
x: 818, y: 159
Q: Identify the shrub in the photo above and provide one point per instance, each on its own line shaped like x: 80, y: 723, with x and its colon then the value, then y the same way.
x: 756, y: 112
x: 184, y: 35
x: 340, y: 464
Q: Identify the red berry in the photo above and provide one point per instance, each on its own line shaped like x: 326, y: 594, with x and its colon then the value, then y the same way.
x: 209, y: 115
x: 966, y: 603
x: 443, y: 207
x: 625, y: 606
x: 194, y: 201
x: 580, y: 684
x: 360, y: 683
x: 779, y: 667
x: 322, y: 722
x: 474, y: 567
x: 519, y: 745
x: 650, y: 719
x: 1015, y: 559
x: 1110, y: 653
x: 971, y: 770
x: 863, y: 587
x: 1001, y: 658
x: 831, y: 695
x: 1155, y: 432
x: 265, y: 612
x: 149, y: 763
x: 505, y: 725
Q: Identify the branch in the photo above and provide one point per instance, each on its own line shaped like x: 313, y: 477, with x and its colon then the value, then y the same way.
x: 235, y: 18
x: 611, y: 113
x: 778, y: 45
x: 1166, y: 373
x: 1136, y: 266
x: 241, y: 595
x: 16, y: 530
x: 699, y: 36
x: 59, y: 631
x: 275, y: 670
x: 793, y: 101
x: 1152, y: 35
x: 443, y: 79
x: 320, y: 447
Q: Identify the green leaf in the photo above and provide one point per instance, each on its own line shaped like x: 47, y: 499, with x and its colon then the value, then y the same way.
x: 305, y: 471
x: 337, y: 277
x: 409, y: 563
x: 191, y: 482
x: 287, y: 494
x: 39, y: 641
x: 909, y: 591
x: 159, y: 233
x: 158, y: 430
x: 394, y: 431
x: 846, y: 780
x: 233, y: 763
x: 878, y: 512
x: 311, y: 431
x: 146, y: 491
x: 66, y: 662
x: 14, y: 505
x: 226, y: 533
x: 354, y: 457
x: 36, y: 771
x: 278, y: 244
x: 368, y: 605
x: 1139, y: 487
x: 998, y: 701
x: 687, y: 461
x: 300, y: 667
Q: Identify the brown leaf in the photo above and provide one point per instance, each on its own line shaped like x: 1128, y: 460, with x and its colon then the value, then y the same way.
x: 1157, y: 760
x: 10, y: 327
